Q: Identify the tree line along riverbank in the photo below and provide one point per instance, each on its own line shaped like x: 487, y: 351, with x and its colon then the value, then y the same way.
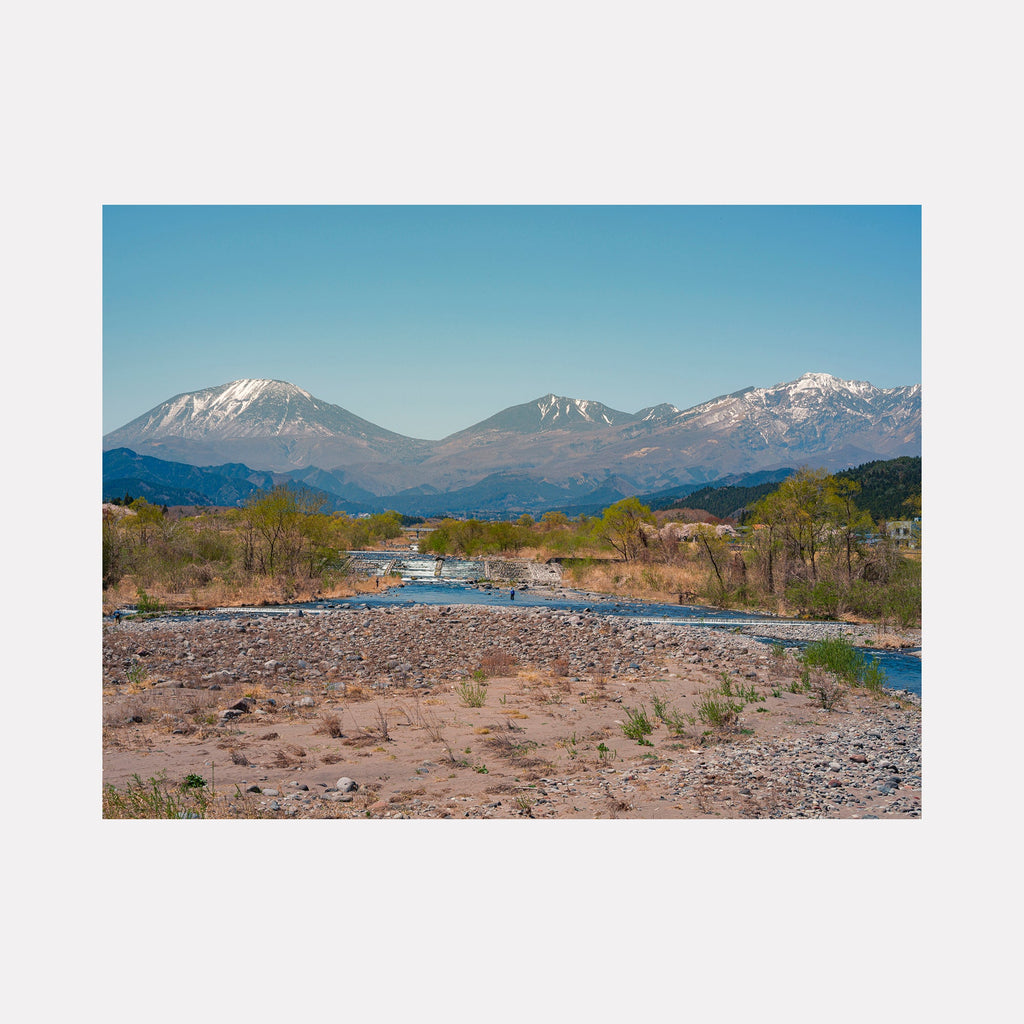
x: 805, y: 550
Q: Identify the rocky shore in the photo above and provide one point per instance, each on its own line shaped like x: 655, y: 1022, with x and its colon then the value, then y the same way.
x: 462, y: 711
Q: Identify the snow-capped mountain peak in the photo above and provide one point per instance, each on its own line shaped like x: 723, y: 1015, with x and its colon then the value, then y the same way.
x: 812, y: 413
x: 556, y: 410
x: 271, y: 424
x: 241, y: 408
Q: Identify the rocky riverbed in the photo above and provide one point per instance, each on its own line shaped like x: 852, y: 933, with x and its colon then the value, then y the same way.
x: 479, y: 712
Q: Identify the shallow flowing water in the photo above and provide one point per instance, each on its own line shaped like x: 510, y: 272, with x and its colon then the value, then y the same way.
x: 454, y: 586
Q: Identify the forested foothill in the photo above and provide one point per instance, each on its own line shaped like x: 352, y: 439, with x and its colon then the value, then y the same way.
x: 885, y: 487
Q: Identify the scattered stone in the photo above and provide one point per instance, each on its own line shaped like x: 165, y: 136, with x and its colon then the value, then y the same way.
x: 827, y: 765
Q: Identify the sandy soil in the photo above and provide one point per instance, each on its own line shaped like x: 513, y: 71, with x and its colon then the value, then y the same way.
x: 275, y: 710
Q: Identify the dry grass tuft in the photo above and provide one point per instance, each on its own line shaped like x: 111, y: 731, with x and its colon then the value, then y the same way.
x: 635, y: 579
x: 203, y: 592
x: 330, y: 725
x: 705, y: 800
x: 425, y: 720
x: 498, y: 662
x: 505, y: 743
x: 407, y: 794
x: 366, y: 740
x: 254, y: 691
x: 887, y: 641
x: 288, y: 756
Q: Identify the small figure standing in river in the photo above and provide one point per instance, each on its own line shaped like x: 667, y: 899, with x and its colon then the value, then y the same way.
x: 512, y: 594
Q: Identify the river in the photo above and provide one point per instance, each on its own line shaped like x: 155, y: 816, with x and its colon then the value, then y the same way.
x: 454, y: 586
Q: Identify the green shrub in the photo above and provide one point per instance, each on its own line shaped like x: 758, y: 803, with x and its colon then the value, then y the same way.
x: 826, y: 599
x: 835, y: 655
x: 472, y: 694
x: 873, y: 677
x: 749, y: 694
x: 845, y: 662
x: 903, y: 604
x: 718, y: 712
x: 866, y: 599
x: 665, y: 713
x: 155, y: 798
x: 637, y: 726
x: 147, y: 605
x: 136, y: 674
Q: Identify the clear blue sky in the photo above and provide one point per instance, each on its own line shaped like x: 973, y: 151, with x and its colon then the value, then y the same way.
x: 425, y: 320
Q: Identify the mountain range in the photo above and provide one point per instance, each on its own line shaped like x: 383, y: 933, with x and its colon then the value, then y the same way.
x: 551, y: 452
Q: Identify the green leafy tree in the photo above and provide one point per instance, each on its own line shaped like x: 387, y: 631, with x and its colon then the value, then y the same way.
x: 767, y: 515
x: 798, y: 515
x: 146, y: 519
x: 116, y: 552
x: 275, y: 517
x: 270, y: 513
x: 848, y: 523
x: 318, y: 536
x: 552, y: 520
x: 620, y: 526
x: 385, y: 526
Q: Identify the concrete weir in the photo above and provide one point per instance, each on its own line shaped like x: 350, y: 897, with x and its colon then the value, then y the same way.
x: 521, y: 571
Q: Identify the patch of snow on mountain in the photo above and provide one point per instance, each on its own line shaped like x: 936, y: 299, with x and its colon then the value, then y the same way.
x: 815, y: 382
x: 545, y: 405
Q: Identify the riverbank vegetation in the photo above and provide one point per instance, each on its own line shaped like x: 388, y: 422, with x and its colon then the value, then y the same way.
x: 280, y: 546
x: 806, y: 547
